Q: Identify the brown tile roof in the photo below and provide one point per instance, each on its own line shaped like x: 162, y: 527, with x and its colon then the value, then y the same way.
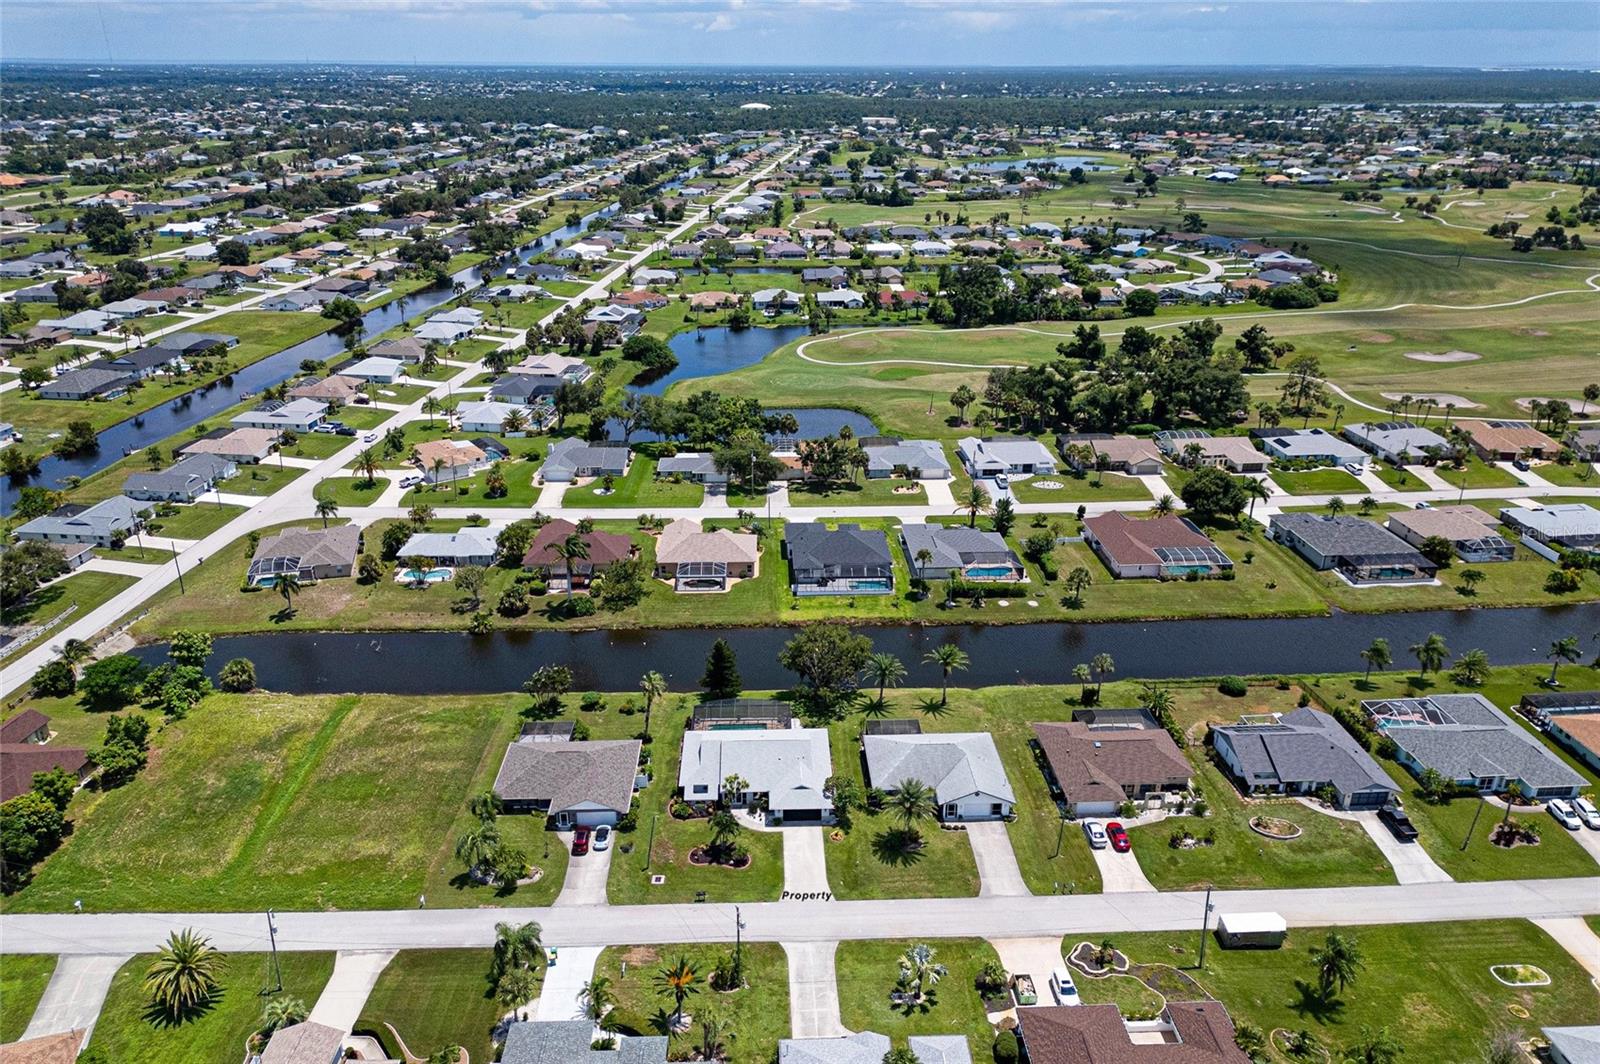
x: 19, y: 761
x: 450, y: 452
x: 1094, y: 764
x: 1095, y: 1034
x: 49, y: 1049
x: 604, y: 547
x: 1584, y: 727
x: 1455, y: 523
x: 1507, y: 437
x: 1133, y: 542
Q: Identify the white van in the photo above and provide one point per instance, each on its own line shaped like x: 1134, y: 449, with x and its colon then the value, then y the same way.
x: 1587, y: 812
x: 1062, y: 986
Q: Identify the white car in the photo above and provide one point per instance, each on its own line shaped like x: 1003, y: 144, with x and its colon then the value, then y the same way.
x: 601, y: 839
x: 1062, y: 986
x: 1564, y: 814
x: 1096, y: 834
x: 371, y: 437
x: 410, y: 482
x: 1587, y: 812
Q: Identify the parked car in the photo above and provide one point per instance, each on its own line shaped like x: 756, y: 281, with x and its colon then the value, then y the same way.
x: 371, y: 437
x: 345, y: 430
x: 324, y: 428
x: 1119, y: 837
x: 1587, y: 812
x: 410, y: 482
x: 580, y: 842
x: 1095, y: 834
x: 1565, y: 815
x: 602, y: 838
x: 1398, y: 823
x: 1062, y: 986
x: 1002, y: 481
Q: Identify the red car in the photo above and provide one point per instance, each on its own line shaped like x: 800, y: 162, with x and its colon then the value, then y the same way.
x: 580, y: 842
x: 1119, y: 837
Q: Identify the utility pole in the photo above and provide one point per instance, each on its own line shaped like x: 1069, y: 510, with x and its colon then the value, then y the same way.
x: 1205, y: 921
x: 738, y: 949
x: 174, y: 545
x: 277, y: 972
x: 1471, y: 828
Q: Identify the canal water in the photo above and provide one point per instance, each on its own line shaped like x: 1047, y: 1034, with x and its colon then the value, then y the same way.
x: 458, y: 663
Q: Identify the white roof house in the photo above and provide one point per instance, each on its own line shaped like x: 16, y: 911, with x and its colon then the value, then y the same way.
x: 787, y: 766
x: 298, y: 415
x: 489, y: 416
x: 963, y: 768
x: 1396, y: 441
x: 1004, y: 454
x: 378, y: 369
x: 467, y: 546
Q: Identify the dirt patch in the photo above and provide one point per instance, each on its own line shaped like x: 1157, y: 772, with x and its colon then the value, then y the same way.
x: 1437, y: 398
x: 1528, y: 331
x: 1375, y: 338
x: 640, y: 955
x: 1446, y: 356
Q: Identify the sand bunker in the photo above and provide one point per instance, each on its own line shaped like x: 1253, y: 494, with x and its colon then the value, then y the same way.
x: 1527, y: 402
x: 1448, y: 356
x: 1460, y: 402
x: 1375, y: 338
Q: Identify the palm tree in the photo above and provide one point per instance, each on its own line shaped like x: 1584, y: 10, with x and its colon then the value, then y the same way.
x: 282, y: 1012
x: 1472, y: 668
x: 912, y: 801
x: 287, y: 585
x: 573, y: 548
x: 1561, y: 650
x: 654, y: 686
x: 1104, y: 665
x: 477, y: 847
x: 678, y: 979
x: 975, y: 502
x: 185, y: 975
x: 485, y: 805
x: 430, y: 406
x: 516, y: 946
x: 597, y: 998
x: 886, y: 671
x: 1166, y: 506
x: 367, y: 464
x: 1377, y: 657
x: 1158, y: 700
x: 1471, y: 578
x: 949, y: 658
x: 919, y: 973
x: 1078, y: 581
x: 327, y: 508
x: 1337, y: 961
x: 1431, y: 653
x: 1335, y: 506
x: 1258, y: 490
x: 513, y: 990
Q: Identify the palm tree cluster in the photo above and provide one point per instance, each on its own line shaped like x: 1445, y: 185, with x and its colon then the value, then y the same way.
x: 486, y: 855
x: 514, y: 967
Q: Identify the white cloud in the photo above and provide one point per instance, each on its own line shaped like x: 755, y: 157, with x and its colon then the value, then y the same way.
x: 720, y: 23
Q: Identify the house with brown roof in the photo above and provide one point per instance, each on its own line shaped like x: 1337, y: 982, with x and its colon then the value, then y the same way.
x: 605, y: 550
x: 1097, y: 766
x: 1119, y: 454
x: 1162, y: 547
x: 1506, y: 441
x: 1187, y: 1032
x: 60, y: 1048
x: 304, y: 1043
x: 334, y: 388
x: 1472, y: 532
x: 25, y: 749
x: 694, y: 559
x: 245, y: 446
x: 447, y: 461
x: 588, y: 783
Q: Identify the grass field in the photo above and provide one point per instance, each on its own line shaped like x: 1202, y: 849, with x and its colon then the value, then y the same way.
x: 863, y: 493
x: 265, y: 478
x: 1428, y: 983
x: 350, y: 491
x: 84, y: 590
x: 638, y: 487
x: 126, y: 1036
x: 1098, y: 487
x: 1319, y: 482
x: 521, y: 491
x: 23, y: 977
x: 867, y: 972
x: 758, y: 1013
x: 434, y: 998
x: 196, y: 520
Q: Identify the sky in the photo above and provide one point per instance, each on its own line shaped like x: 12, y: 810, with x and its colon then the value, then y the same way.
x: 898, y: 33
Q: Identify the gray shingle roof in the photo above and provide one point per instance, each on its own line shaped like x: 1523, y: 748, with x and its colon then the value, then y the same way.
x: 864, y: 1048
x: 1344, y: 537
x: 954, y: 764
x: 1466, y: 737
x: 813, y: 545
x: 568, y: 1041
x: 1305, y: 746
x: 953, y: 547
x: 569, y: 774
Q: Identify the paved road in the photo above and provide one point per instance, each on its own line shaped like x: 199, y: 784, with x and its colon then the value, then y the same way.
x: 993, y: 917
x: 74, y: 995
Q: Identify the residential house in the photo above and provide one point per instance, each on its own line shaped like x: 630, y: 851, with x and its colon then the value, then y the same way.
x: 841, y: 299
x: 962, y: 768
x: 335, y: 389
x: 243, y: 446
x: 827, y: 276
x: 570, y: 1042
x: 1186, y: 1032
x: 307, y: 553
x: 695, y: 559
x: 846, y: 560
x: 1129, y: 455
x: 83, y: 323
x: 1472, y: 532
x: 699, y: 467
x: 1572, y: 718
x: 869, y: 1047
x: 626, y: 320
x: 955, y: 552
x: 784, y: 771
x: 1168, y: 547
x: 1301, y: 752
x: 184, y: 481
x: 490, y: 416
x: 1397, y: 442
x: 377, y: 370
x: 295, y: 415
x: 573, y: 459
x: 1572, y: 1045
x: 604, y: 549
x: 442, y: 332
x: 298, y: 300
x: 1010, y: 455
x: 143, y: 363
x: 550, y: 370
x: 25, y: 748
x: 92, y: 382
x: 1095, y: 767
x: 404, y: 348
x: 304, y: 1043
x: 1199, y: 447
x: 775, y: 299
x: 467, y: 546
x: 1310, y: 445
x: 1553, y: 529
x: 585, y: 783
x: 1506, y: 441
x: 103, y: 524
x: 888, y: 456
x: 1359, y: 551
x: 447, y: 461
x: 1471, y: 743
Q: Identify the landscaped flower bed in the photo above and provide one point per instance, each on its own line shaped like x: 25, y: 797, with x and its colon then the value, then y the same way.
x: 1275, y: 827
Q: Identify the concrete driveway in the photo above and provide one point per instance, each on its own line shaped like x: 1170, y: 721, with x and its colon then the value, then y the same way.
x: 1120, y: 873
x: 74, y: 995
x: 1586, y: 837
x: 1410, y: 861
x: 813, y: 990
x: 998, y: 874
x: 558, y: 999
x: 354, y: 974
x: 1037, y: 957
x: 805, y: 864
x: 586, y: 876
x: 1575, y: 936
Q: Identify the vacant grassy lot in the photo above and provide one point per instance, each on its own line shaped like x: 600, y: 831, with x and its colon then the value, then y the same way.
x: 350, y: 491
x: 1320, y: 482
x: 885, y: 492
x: 867, y: 973
x: 265, y: 478
x: 521, y: 491
x: 1092, y: 487
x: 23, y: 977
x: 128, y: 1037
x: 1428, y: 983
x: 434, y: 998
x: 639, y: 487
x: 758, y: 1014
x: 85, y: 590
x: 194, y: 521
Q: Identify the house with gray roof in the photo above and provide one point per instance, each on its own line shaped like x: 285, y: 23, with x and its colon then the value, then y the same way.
x: 101, y: 524
x: 308, y: 553
x: 1358, y: 550
x: 1300, y: 753
x: 869, y: 1047
x: 571, y: 459
x: 1556, y: 528
x: 575, y: 783
x: 183, y: 481
x: 304, y: 1043
x: 569, y: 1042
x: 1396, y: 442
x: 918, y: 459
x: 91, y: 382
x: 958, y: 552
x: 963, y: 769
x: 1573, y: 1045
x: 296, y: 415
x: 1311, y: 445
x: 1012, y: 455
x: 1468, y: 741
x: 845, y: 560
x: 697, y: 466
x: 466, y: 546
x: 783, y: 770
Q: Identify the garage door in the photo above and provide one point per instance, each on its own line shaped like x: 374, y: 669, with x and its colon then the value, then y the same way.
x: 802, y: 816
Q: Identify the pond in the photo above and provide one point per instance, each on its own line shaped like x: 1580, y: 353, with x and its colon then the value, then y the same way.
x: 1062, y: 162
x: 386, y: 662
x: 708, y: 352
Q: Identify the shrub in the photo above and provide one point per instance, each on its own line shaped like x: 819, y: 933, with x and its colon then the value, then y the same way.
x: 1005, y: 1048
x: 581, y: 606
x: 513, y: 601
x: 54, y: 680
x: 1233, y: 687
x: 238, y: 676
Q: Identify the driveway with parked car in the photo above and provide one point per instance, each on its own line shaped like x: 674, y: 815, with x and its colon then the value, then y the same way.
x: 586, y: 872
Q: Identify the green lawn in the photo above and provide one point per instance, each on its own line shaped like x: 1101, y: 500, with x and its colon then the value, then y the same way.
x: 1428, y: 983
x: 521, y: 491
x: 865, y: 493
x: 266, y: 478
x: 434, y: 998
x: 1476, y: 474
x: 1096, y: 487
x: 350, y: 491
x: 1320, y: 482
x: 758, y: 1014
x: 126, y: 1036
x: 867, y: 972
x: 1397, y: 479
x: 638, y: 487
x: 196, y: 521
x: 83, y: 590
x: 23, y: 977
x: 1576, y: 475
